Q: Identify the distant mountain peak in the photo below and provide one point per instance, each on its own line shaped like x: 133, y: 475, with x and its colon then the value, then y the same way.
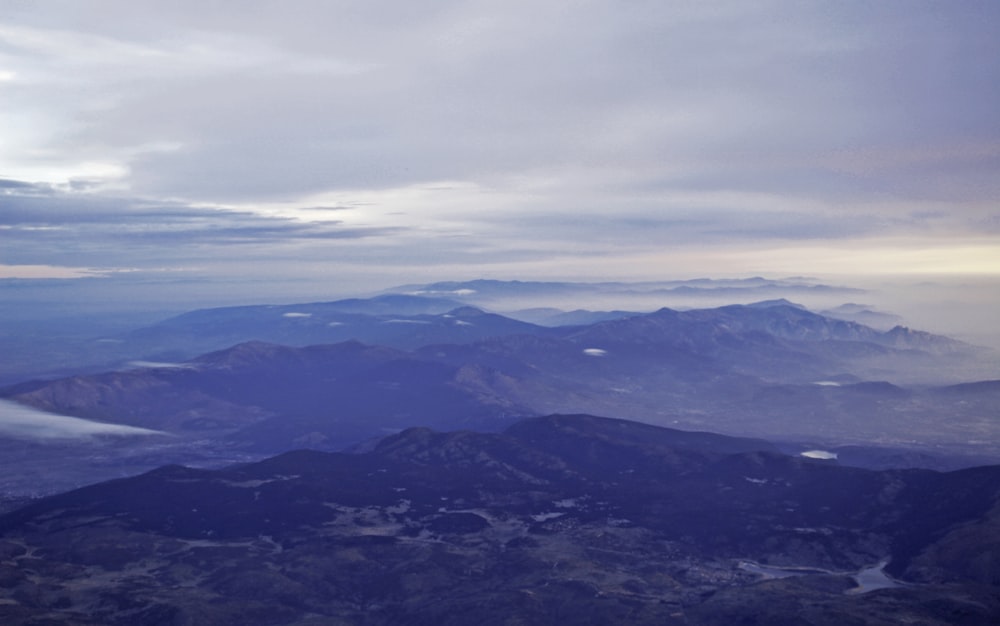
x: 243, y: 353
x: 766, y: 304
x: 467, y: 311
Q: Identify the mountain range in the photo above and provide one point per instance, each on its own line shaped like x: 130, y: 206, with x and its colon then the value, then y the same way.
x: 561, y: 519
x: 48, y: 343
x: 772, y: 369
x: 780, y: 465
x: 640, y: 364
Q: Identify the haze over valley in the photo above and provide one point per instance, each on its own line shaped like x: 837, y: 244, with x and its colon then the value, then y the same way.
x: 213, y: 386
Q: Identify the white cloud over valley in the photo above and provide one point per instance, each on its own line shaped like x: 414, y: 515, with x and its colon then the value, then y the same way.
x: 21, y: 422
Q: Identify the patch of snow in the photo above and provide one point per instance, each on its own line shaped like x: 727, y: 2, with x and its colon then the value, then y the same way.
x: 568, y: 503
x: 812, y: 531
x: 246, y: 484
x: 541, y: 517
x: 400, y: 507
x: 160, y: 365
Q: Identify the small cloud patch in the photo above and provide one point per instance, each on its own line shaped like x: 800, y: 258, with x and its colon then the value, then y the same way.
x: 294, y: 314
x: 160, y: 365
x: 819, y: 454
x: 595, y: 352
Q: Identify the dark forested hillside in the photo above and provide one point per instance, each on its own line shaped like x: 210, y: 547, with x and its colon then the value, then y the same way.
x: 569, y: 518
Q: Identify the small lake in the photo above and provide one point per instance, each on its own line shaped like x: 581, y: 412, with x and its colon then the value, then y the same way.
x: 872, y: 578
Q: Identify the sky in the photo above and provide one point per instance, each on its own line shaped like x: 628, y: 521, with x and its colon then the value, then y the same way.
x: 218, y: 151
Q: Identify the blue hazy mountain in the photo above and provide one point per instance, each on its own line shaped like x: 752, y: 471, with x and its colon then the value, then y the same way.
x: 46, y: 349
x: 864, y: 315
x: 49, y: 345
x: 775, y: 370
x: 548, y: 316
x: 391, y: 320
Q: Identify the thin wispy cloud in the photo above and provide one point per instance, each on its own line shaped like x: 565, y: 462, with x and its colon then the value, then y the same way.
x: 21, y: 422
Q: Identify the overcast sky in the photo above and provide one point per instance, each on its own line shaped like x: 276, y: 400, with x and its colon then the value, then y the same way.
x: 318, y: 147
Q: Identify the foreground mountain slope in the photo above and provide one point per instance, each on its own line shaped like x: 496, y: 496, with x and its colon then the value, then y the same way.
x: 569, y: 519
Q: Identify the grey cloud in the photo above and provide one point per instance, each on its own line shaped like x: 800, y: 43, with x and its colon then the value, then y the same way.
x: 15, y: 185
x: 74, y: 229
x: 323, y: 209
x: 470, y: 92
x: 10, y: 187
x: 714, y: 226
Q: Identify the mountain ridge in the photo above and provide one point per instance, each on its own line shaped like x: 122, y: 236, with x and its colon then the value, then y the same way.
x: 605, y: 516
x: 738, y: 369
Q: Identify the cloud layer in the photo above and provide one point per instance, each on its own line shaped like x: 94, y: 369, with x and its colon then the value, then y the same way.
x: 394, y: 142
